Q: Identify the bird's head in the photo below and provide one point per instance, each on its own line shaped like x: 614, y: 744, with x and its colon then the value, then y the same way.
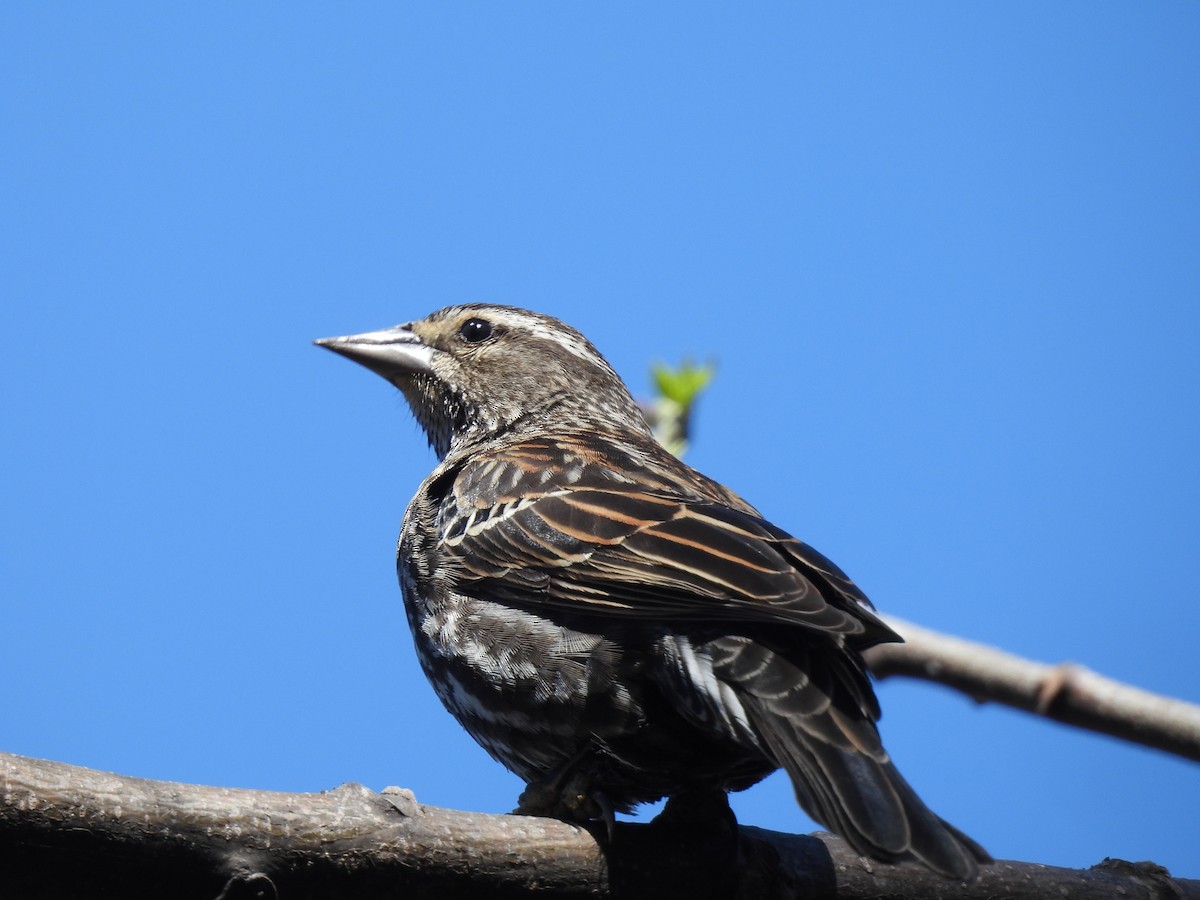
x: 474, y: 371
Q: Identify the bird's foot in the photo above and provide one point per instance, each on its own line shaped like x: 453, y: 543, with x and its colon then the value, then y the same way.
x: 697, y: 833
x: 705, y: 807
x: 566, y: 794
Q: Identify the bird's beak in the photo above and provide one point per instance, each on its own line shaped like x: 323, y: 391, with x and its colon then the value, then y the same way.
x: 394, y: 353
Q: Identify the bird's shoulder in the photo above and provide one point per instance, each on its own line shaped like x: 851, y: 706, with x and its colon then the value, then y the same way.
x: 575, y: 459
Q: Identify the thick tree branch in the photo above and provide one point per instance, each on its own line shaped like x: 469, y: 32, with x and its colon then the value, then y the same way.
x: 68, y: 832
x: 1066, y: 693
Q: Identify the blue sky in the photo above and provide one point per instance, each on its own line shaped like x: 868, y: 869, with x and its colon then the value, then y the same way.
x: 946, y: 256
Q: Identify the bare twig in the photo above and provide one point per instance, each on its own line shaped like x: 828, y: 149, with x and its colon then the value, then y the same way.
x: 68, y: 832
x: 1066, y: 693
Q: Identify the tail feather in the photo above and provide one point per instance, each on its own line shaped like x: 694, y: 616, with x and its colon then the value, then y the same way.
x: 866, y: 801
x: 831, y: 750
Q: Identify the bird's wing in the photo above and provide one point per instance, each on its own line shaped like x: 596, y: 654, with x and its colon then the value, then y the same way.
x: 537, y: 523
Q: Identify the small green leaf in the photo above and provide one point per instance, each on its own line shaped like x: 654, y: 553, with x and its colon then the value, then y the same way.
x: 678, y: 388
x: 684, y: 383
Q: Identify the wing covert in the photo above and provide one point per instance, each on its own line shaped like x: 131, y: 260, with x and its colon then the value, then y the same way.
x: 589, y: 542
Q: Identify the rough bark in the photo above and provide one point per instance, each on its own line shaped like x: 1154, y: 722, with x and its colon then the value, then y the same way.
x: 69, y: 832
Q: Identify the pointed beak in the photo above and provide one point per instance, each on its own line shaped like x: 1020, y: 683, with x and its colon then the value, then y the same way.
x: 394, y: 353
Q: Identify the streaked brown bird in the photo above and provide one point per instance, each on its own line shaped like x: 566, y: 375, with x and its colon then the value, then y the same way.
x: 610, y: 624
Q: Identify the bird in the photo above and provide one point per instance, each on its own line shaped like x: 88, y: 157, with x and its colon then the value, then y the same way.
x: 610, y: 624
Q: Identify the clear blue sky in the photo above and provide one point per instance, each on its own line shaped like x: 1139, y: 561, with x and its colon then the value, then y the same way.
x: 946, y: 255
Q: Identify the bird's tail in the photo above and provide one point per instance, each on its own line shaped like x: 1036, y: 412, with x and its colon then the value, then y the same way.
x: 815, y: 716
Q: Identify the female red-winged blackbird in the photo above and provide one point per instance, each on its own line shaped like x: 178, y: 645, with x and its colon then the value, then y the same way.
x: 611, y: 625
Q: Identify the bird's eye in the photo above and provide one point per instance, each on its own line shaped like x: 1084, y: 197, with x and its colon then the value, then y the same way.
x: 475, y: 330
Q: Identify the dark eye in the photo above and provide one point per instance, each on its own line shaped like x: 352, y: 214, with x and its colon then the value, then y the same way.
x: 475, y: 330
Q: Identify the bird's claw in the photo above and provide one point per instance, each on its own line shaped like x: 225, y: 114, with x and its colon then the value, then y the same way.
x: 567, y: 795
